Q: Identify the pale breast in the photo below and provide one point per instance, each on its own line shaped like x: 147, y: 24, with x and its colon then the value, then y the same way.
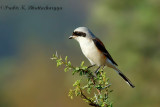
x: 90, y: 50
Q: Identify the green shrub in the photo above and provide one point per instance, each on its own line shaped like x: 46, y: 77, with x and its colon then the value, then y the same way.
x: 96, y: 85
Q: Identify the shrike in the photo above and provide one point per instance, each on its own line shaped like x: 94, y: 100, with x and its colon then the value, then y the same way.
x: 95, y: 51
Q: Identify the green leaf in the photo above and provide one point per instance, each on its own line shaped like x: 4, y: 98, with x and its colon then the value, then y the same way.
x: 86, y: 100
x: 82, y: 63
x: 84, y: 68
x: 77, y: 83
x: 65, y: 69
x: 89, y: 90
x: 66, y: 58
x: 99, y: 87
x: 77, y: 68
x: 54, y: 57
x: 57, y: 64
x: 110, y: 105
x: 84, y: 87
x: 81, y: 73
x: 70, y: 94
x: 101, y: 97
x: 77, y: 91
x: 69, y: 63
x: 73, y: 72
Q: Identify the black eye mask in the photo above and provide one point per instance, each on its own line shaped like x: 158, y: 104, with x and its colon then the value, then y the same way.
x: 79, y: 34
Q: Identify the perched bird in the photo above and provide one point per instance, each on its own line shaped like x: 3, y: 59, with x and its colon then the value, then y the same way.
x: 95, y: 51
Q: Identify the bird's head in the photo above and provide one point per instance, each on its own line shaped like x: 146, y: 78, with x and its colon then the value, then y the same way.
x: 81, y: 33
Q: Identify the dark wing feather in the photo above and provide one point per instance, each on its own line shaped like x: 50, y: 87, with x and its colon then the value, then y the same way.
x: 102, y: 48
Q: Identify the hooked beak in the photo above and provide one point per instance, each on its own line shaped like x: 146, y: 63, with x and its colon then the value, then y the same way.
x: 71, y: 37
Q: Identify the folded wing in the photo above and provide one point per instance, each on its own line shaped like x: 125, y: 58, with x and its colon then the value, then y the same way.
x: 102, y: 48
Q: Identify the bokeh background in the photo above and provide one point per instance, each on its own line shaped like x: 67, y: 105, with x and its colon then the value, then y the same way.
x: 129, y: 29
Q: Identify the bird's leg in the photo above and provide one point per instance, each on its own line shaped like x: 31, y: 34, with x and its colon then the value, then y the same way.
x: 91, y: 66
x: 97, y: 69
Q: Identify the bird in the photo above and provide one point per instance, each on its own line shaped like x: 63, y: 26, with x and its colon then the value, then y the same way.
x: 95, y: 51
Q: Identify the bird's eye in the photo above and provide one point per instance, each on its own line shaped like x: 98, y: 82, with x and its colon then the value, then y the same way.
x: 79, y: 34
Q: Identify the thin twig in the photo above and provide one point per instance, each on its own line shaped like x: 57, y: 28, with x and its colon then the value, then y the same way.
x: 93, y: 80
x: 91, y: 102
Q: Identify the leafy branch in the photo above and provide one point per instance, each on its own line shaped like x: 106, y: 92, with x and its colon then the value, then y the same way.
x: 96, y: 85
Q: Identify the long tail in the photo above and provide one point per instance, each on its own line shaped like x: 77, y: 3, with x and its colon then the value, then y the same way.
x: 124, y: 77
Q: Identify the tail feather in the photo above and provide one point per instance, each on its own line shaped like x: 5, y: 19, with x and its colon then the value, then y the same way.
x: 124, y: 77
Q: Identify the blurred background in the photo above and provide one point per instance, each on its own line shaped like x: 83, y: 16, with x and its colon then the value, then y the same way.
x: 130, y: 30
